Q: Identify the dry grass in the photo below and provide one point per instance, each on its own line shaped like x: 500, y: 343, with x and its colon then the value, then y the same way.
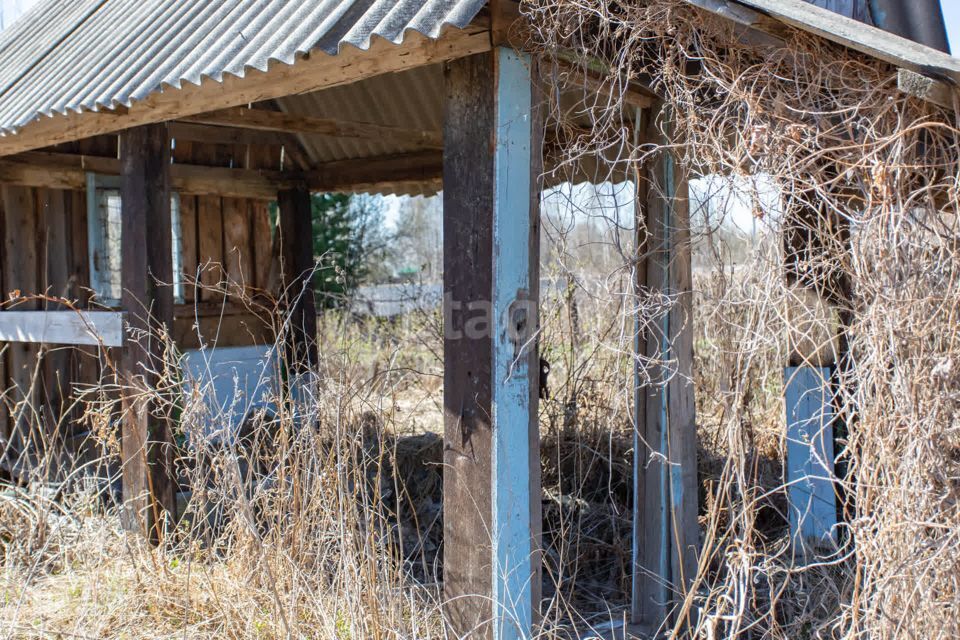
x: 333, y: 530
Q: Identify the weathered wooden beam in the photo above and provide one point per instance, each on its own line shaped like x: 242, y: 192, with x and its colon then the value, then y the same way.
x: 771, y: 16
x: 189, y: 131
x: 95, y: 328
x: 149, y: 480
x: 491, y: 452
x: 68, y: 171
x: 927, y: 88
x: 370, y: 173
x: 278, y: 121
x: 295, y: 232
x: 665, y: 471
x: 310, y: 73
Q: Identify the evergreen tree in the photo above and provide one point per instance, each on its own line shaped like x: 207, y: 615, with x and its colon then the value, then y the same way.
x: 349, y: 243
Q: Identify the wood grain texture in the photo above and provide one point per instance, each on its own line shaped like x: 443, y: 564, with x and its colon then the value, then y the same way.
x: 22, y: 273
x: 295, y: 233
x: 210, y: 247
x: 146, y: 448
x: 666, y: 528
x: 262, y: 243
x: 491, y: 436
x: 189, y: 258
x: 468, y: 200
x: 277, y: 121
x: 237, y: 245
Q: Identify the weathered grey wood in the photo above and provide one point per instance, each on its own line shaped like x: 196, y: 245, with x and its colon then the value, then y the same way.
x: 148, y: 474
x: 70, y: 171
x: 681, y: 410
x: 491, y: 546
x: 770, y: 15
x: 22, y: 277
x: 94, y: 328
x: 295, y: 232
x: 926, y: 88
x: 277, y: 121
x: 651, y: 533
x: 666, y: 528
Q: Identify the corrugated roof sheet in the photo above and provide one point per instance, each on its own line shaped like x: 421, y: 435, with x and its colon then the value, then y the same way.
x: 88, y: 54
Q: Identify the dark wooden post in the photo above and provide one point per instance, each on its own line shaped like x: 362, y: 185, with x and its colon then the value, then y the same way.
x: 491, y: 483
x: 296, y: 267
x: 148, y: 475
x: 666, y: 532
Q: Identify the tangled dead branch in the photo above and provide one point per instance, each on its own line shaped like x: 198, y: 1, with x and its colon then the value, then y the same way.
x: 865, y: 220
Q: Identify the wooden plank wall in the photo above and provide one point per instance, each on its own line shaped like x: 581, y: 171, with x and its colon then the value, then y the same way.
x: 44, y: 252
x: 43, y: 233
x: 227, y: 252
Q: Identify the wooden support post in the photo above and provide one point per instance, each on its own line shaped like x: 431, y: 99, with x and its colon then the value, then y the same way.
x: 666, y: 532
x: 295, y: 234
x: 810, y: 417
x: 491, y: 483
x: 146, y: 238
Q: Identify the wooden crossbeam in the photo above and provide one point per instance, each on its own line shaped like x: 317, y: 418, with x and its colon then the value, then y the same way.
x: 191, y: 132
x: 95, y: 328
x: 278, y: 121
x: 69, y: 171
x: 311, y: 73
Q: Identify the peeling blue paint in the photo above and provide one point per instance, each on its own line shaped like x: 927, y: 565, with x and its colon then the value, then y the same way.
x: 511, y: 493
x: 810, y: 472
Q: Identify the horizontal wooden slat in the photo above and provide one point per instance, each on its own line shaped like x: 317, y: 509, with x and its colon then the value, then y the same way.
x: 63, y: 327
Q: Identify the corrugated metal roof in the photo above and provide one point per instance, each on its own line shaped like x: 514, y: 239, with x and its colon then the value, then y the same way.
x: 88, y: 54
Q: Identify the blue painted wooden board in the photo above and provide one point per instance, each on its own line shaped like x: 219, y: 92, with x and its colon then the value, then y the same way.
x: 511, y: 491
x: 810, y: 474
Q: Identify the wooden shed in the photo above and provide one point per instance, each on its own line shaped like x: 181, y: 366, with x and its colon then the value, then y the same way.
x: 144, y: 140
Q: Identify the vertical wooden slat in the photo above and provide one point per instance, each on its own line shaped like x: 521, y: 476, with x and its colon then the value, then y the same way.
x: 76, y: 211
x: 210, y: 246
x: 236, y: 244
x: 491, y: 452
x: 5, y: 382
x: 57, y: 250
x: 188, y: 233
x: 295, y: 234
x: 148, y: 477
x: 681, y: 410
x: 652, y: 576
x: 665, y: 518
x: 22, y: 271
x: 262, y: 243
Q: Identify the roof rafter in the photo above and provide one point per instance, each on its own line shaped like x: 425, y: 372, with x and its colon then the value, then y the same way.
x: 278, y: 121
